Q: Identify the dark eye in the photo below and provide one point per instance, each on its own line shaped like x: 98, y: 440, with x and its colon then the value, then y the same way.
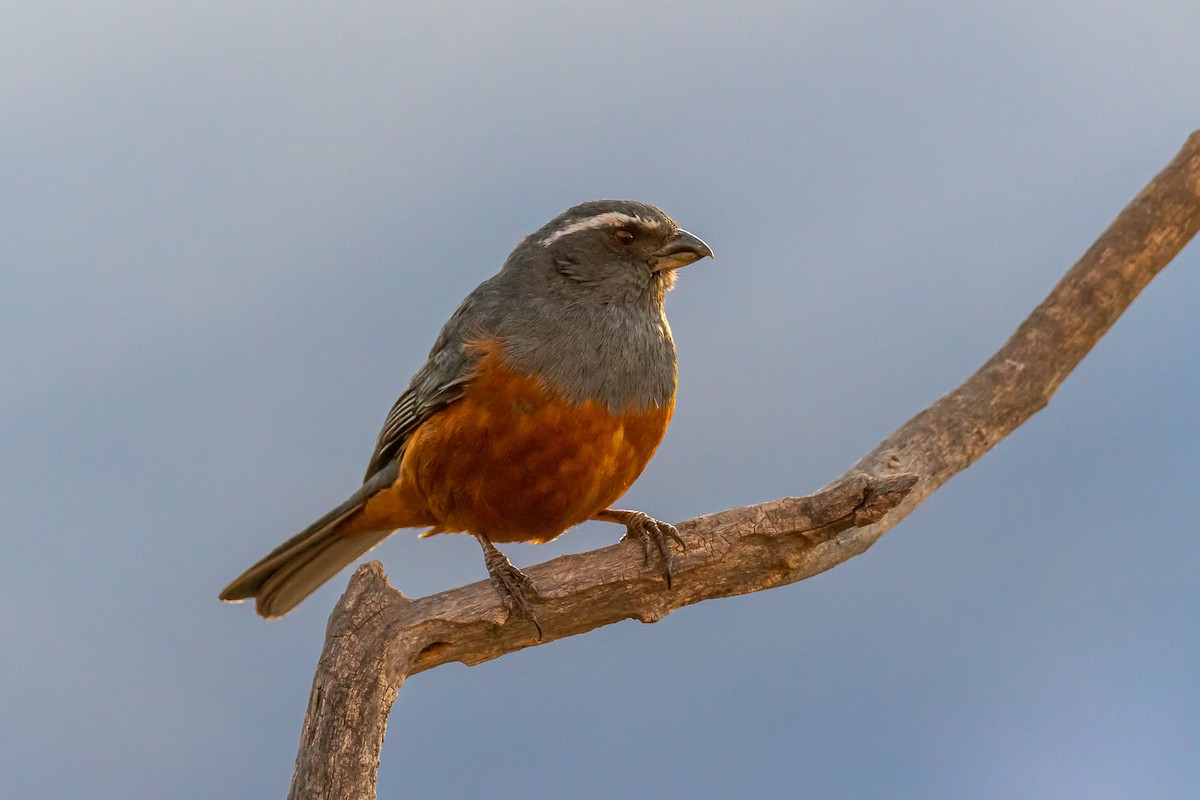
x: 624, y: 236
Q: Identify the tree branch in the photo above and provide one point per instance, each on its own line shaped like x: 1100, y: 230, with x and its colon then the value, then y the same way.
x: 376, y: 637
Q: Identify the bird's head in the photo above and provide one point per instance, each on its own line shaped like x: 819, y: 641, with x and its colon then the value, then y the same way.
x: 608, y: 251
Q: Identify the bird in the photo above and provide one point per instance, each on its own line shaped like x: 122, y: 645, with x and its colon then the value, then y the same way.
x: 543, y: 399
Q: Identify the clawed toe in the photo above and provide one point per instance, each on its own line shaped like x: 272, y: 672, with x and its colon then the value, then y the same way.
x: 514, y: 587
x: 654, y: 535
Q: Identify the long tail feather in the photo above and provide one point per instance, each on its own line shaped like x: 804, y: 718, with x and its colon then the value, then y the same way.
x: 295, y: 569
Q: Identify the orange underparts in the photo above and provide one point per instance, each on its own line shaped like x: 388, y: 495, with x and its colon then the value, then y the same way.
x: 514, y: 461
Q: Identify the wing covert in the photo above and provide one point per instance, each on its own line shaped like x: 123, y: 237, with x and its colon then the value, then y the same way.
x: 405, y: 417
x: 441, y: 381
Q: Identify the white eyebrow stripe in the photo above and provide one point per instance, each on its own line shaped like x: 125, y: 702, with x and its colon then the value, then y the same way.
x: 599, y: 221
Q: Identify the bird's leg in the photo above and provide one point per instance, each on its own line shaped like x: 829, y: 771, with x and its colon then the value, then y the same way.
x: 513, y: 586
x: 653, y: 534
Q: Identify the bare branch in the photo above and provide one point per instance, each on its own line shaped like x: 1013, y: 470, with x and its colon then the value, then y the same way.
x: 377, y: 637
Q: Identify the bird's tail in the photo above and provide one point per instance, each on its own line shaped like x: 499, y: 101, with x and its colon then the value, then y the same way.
x: 295, y: 569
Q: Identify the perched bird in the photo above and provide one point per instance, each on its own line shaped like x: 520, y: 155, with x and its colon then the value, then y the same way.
x: 542, y: 401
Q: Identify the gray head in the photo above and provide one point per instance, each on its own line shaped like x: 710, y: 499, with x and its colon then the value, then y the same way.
x: 606, y: 251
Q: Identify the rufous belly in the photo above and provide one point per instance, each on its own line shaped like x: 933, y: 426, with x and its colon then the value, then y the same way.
x: 516, y: 462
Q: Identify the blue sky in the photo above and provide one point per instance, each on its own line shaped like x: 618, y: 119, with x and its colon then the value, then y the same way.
x: 231, y: 231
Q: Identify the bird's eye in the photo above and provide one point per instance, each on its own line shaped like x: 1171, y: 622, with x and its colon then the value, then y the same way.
x: 624, y: 236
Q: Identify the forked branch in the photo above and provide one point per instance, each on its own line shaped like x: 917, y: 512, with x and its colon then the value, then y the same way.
x: 377, y: 637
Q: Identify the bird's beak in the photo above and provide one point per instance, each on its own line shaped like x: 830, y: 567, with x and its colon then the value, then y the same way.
x: 682, y: 249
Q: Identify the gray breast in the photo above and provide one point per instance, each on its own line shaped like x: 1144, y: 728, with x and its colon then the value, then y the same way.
x: 620, y: 354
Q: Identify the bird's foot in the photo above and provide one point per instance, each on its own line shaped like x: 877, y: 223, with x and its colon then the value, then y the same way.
x: 514, y: 587
x: 654, y: 535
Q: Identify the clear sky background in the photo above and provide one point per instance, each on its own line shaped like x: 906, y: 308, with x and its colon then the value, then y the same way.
x: 230, y: 231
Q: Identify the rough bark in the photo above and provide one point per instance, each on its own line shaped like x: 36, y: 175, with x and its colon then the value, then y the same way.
x: 377, y: 637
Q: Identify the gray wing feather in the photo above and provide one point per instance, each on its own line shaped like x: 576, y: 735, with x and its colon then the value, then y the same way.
x: 440, y: 382
x: 405, y: 417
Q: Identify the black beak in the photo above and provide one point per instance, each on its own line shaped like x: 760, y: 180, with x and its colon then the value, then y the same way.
x: 681, y: 250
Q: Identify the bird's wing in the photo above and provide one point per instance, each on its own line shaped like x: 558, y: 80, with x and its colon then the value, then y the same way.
x: 406, y: 416
x: 439, y: 383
